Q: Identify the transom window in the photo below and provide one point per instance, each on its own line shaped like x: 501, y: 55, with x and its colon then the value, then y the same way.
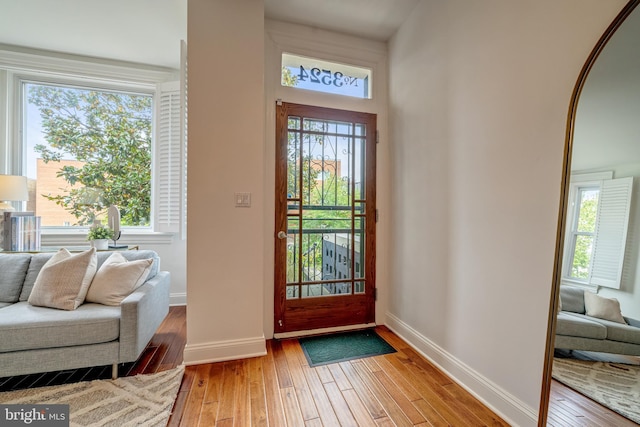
x: 325, y: 76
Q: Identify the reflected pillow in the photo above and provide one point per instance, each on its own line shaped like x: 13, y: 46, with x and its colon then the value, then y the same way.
x: 64, y: 280
x: 117, y: 278
x: 602, y: 308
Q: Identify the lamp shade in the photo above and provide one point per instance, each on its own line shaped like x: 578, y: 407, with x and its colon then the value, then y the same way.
x: 13, y: 188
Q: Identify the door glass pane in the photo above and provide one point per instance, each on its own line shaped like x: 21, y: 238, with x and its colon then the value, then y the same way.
x: 359, y: 168
x: 328, y: 127
x: 359, y: 243
x: 293, y: 123
x: 359, y: 288
x: 326, y: 289
x: 292, y: 292
x: 311, y: 258
x: 293, y: 165
x: 293, y: 251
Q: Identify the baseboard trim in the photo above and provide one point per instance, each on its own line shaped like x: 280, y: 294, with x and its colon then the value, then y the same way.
x: 220, y: 351
x: 178, y: 298
x: 284, y: 335
x: 510, y: 408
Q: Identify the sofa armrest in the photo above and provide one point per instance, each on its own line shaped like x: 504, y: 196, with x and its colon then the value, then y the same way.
x: 142, y: 312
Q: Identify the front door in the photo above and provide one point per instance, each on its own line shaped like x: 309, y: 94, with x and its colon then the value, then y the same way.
x: 325, y: 218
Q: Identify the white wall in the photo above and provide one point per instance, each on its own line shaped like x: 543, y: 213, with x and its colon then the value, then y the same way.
x: 479, y: 93
x: 173, y: 258
x: 225, y: 255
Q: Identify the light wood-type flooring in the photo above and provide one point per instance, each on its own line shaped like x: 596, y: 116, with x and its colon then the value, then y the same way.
x: 280, y: 389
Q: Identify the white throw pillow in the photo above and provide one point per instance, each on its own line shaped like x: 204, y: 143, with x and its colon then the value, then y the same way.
x: 117, y: 278
x: 602, y: 308
x: 64, y: 280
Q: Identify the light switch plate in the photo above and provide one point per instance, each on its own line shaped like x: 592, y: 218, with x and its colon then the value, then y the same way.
x: 243, y: 200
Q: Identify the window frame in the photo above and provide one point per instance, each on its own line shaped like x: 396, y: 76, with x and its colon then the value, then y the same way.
x: 17, y: 67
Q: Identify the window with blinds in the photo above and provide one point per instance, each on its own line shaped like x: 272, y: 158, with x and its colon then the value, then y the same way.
x: 91, y: 137
x: 597, y: 224
x: 170, y: 206
x: 168, y: 159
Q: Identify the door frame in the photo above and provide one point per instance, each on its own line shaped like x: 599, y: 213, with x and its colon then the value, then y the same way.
x: 331, y: 312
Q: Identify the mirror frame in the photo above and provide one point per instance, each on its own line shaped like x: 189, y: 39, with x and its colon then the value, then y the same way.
x: 564, y: 193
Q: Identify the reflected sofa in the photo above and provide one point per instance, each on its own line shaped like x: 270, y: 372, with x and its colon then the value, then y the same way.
x: 575, y: 330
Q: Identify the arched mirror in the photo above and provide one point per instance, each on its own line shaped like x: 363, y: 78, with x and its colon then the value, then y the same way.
x: 593, y: 345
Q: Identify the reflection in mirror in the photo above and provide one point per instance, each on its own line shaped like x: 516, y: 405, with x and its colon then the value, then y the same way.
x: 597, y: 328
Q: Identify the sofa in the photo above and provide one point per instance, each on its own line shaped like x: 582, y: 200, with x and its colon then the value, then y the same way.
x: 36, y: 338
x: 577, y: 327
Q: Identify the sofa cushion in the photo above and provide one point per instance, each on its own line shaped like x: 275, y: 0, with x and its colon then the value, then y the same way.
x: 572, y: 299
x: 64, y: 280
x: 578, y: 325
x: 14, y: 269
x: 117, y: 278
x: 621, y: 332
x: 37, y: 261
x: 602, y: 308
x: 25, y: 327
x: 134, y: 256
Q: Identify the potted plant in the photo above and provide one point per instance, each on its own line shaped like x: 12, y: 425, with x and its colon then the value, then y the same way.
x: 99, y: 236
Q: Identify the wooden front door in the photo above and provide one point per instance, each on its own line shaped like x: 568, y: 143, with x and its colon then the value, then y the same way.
x: 325, y: 218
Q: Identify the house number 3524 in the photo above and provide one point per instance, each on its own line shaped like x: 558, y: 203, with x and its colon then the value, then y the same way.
x: 326, y: 77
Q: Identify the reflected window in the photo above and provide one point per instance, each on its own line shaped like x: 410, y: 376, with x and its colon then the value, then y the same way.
x: 585, y: 210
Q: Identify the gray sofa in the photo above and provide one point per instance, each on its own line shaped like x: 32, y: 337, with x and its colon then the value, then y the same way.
x: 577, y: 331
x: 39, y: 339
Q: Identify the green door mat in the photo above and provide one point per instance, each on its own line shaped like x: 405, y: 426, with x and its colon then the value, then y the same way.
x: 332, y: 348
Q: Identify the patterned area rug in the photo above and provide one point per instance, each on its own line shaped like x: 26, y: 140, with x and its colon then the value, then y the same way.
x: 613, y: 385
x: 143, y: 400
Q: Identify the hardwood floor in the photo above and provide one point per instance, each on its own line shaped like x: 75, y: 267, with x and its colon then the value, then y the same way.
x: 280, y: 389
x: 568, y: 408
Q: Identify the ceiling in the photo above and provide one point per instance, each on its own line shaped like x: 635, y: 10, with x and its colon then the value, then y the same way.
x: 373, y: 19
x: 144, y: 31
x: 149, y: 31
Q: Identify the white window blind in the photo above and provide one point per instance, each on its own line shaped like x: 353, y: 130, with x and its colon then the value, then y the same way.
x: 170, y: 205
x: 611, y: 232
x: 168, y: 160
x: 184, y: 85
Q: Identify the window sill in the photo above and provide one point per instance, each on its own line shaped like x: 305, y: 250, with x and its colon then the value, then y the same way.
x: 53, y: 237
x: 570, y: 282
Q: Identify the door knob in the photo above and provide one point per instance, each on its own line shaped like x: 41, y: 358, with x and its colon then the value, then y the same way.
x: 282, y: 235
